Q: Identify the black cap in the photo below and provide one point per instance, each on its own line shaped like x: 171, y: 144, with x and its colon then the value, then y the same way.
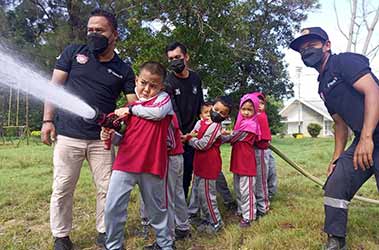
x: 307, y: 34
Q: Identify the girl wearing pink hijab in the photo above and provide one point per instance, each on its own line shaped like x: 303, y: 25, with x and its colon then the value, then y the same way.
x: 242, y: 164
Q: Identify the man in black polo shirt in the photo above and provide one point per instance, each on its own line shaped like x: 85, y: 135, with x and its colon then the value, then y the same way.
x: 96, y: 74
x: 351, y: 94
x: 185, y: 87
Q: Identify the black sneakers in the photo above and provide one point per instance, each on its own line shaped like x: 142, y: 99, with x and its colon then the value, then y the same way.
x: 153, y: 246
x: 63, y: 243
x: 100, y: 239
x: 335, y: 243
x: 182, y: 234
x: 231, y: 206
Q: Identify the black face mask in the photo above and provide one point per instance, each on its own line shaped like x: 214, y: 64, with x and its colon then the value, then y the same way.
x: 177, y: 66
x: 97, y: 43
x: 216, y: 117
x: 312, y: 57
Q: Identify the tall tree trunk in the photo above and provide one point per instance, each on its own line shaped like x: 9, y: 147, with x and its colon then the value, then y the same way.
x: 370, y: 31
x: 352, y: 24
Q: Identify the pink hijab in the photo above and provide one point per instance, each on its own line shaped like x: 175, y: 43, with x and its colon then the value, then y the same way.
x: 250, y: 124
x: 263, y: 120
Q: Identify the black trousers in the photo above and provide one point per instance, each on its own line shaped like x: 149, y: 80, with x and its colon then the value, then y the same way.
x: 341, y: 187
x: 188, y: 155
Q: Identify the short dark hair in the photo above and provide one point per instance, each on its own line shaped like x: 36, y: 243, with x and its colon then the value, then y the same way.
x: 154, y: 68
x: 108, y: 15
x: 204, y: 105
x: 226, y: 101
x: 174, y: 45
x: 261, y: 96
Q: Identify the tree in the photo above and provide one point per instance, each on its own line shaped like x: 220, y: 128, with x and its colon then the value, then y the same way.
x: 236, y: 46
x: 364, y: 17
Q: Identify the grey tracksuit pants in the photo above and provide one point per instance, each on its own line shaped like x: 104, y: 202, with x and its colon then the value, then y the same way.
x: 244, y: 188
x: 208, y: 200
x: 221, y: 187
x: 261, y: 190
x: 177, y: 206
x: 120, y: 187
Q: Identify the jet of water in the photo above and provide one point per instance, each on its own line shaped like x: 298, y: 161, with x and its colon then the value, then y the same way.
x: 19, y: 75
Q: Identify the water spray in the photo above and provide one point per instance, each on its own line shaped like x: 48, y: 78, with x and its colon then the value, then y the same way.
x: 18, y: 74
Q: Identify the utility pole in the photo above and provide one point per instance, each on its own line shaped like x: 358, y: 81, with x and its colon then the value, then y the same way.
x: 298, y: 71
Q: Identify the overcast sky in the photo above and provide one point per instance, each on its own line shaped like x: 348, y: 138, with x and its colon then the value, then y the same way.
x: 325, y: 17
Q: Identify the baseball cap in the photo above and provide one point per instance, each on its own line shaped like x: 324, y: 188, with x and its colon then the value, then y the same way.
x: 307, y: 34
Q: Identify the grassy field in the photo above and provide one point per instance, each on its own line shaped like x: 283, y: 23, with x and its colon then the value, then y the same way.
x: 295, y: 221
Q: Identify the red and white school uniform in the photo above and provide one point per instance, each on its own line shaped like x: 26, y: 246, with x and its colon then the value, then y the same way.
x: 142, y: 159
x: 244, y: 169
x: 207, y: 166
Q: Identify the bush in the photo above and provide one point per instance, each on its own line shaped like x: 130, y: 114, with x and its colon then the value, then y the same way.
x: 298, y: 135
x: 10, y: 132
x: 314, y: 129
x: 36, y: 133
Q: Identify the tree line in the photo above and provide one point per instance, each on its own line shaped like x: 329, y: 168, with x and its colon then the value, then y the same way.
x: 236, y: 46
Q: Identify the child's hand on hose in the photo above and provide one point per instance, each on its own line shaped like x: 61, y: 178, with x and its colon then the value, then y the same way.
x: 106, y: 133
x: 122, y: 111
x: 185, y: 138
x: 226, y: 132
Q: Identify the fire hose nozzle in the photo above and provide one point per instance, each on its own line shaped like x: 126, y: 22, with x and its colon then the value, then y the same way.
x: 111, y: 121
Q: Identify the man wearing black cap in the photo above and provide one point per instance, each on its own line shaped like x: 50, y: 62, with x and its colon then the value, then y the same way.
x: 351, y: 94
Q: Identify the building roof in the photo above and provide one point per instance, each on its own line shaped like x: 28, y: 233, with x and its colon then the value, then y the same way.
x: 316, y: 105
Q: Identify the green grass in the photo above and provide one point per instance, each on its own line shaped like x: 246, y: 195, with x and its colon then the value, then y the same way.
x: 295, y: 221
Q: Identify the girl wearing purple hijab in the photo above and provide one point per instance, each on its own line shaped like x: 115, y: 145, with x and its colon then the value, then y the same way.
x: 246, y: 131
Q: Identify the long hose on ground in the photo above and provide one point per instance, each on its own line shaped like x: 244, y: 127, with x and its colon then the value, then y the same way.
x: 313, y: 178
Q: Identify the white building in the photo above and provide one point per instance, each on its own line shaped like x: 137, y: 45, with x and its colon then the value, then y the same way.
x: 299, y: 113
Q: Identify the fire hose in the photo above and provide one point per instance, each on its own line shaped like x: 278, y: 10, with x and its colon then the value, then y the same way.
x: 313, y: 178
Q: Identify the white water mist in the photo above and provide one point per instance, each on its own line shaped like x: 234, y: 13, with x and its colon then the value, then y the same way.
x: 19, y: 75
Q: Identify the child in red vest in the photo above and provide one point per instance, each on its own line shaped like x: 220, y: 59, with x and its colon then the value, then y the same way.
x: 221, y: 183
x: 142, y: 159
x: 207, y: 163
x: 242, y: 164
x: 193, y: 207
x: 262, y: 159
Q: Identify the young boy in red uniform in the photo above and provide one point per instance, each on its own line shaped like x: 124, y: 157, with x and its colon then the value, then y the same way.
x: 242, y: 163
x: 193, y: 207
x: 262, y: 159
x: 142, y: 159
x: 221, y: 183
x: 207, y: 163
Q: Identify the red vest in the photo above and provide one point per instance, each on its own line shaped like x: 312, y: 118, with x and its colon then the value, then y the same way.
x: 207, y: 164
x: 143, y: 148
x: 242, y: 161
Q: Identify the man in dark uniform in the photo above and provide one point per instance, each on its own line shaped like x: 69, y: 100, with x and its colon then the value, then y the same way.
x: 351, y: 94
x: 185, y: 87
x: 96, y: 74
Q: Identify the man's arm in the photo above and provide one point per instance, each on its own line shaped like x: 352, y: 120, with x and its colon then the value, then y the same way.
x: 367, y: 86
x: 340, y: 140
x: 48, y: 129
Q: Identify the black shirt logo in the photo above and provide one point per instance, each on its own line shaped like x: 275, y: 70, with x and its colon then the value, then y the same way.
x: 110, y: 71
